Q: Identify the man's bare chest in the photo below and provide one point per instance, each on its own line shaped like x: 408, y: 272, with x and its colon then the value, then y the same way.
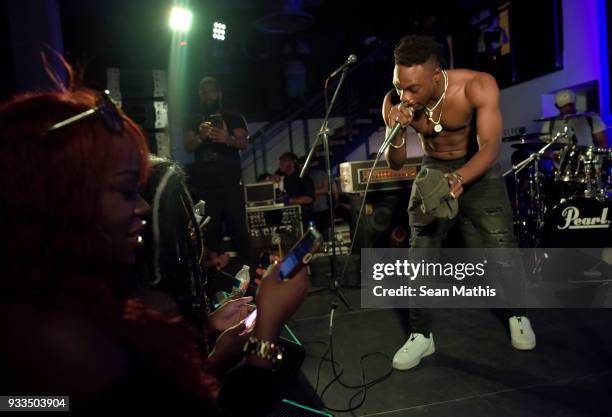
x: 453, y: 119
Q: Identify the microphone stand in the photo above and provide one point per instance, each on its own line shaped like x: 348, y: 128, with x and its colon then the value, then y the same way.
x: 521, y: 165
x: 323, y: 136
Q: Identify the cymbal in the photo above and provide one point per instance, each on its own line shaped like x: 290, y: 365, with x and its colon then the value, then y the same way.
x: 564, y: 117
x: 536, y: 145
x: 526, y: 136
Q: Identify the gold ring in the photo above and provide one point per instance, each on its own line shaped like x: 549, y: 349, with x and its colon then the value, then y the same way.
x: 452, y: 194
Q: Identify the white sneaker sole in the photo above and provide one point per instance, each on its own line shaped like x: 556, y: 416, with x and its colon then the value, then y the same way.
x: 406, y: 366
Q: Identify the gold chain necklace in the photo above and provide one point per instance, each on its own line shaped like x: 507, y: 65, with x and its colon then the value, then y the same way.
x: 437, y: 125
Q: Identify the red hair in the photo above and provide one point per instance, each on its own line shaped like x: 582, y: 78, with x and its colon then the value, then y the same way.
x: 50, y: 188
x: 51, y: 183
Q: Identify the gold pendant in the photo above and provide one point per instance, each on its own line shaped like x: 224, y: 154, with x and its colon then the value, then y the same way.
x: 437, y: 127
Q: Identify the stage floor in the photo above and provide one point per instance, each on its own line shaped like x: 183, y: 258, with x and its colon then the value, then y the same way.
x: 474, y: 372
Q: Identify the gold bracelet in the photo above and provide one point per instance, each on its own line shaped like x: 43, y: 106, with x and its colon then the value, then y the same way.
x: 458, y: 177
x: 263, y: 349
x: 400, y: 145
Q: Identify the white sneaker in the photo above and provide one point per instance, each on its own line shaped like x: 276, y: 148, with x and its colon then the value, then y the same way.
x: 521, y: 333
x: 410, y: 354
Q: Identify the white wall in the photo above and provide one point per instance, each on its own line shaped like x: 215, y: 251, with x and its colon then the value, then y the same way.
x: 376, y: 139
x: 522, y: 103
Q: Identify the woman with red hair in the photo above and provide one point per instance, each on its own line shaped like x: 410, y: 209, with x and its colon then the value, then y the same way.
x: 71, y: 166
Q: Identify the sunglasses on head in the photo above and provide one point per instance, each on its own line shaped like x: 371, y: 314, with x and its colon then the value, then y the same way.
x: 106, y: 108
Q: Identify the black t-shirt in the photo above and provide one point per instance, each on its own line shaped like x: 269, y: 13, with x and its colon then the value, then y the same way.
x: 217, y: 165
x: 297, y: 187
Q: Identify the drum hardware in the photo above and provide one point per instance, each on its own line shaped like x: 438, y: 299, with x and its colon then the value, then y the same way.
x: 529, y: 230
x: 561, y: 199
x: 535, y: 145
x: 587, y: 167
x: 596, y: 172
x: 527, y: 137
x: 570, y: 164
x: 521, y: 165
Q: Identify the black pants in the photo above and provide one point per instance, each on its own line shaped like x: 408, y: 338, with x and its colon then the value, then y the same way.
x: 484, y: 219
x: 226, y: 205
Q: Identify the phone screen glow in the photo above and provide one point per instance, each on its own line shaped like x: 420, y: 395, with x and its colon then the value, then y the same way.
x: 248, y: 322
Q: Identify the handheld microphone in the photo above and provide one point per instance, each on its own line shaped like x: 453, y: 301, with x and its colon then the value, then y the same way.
x: 390, y: 137
x: 349, y: 61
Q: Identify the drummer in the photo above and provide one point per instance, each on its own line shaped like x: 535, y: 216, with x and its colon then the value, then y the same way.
x: 586, y: 128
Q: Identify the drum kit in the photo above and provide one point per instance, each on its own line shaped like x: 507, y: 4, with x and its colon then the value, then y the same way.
x: 562, y: 191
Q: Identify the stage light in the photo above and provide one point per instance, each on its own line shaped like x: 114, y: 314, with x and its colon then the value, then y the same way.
x: 218, y: 32
x: 180, y: 19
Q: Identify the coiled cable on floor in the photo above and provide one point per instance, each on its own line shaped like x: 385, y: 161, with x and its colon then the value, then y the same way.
x: 362, y: 388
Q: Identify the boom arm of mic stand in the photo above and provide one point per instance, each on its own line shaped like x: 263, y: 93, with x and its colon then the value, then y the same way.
x: 324, y: 126
x: 521, y: 165
x: 311, y: 152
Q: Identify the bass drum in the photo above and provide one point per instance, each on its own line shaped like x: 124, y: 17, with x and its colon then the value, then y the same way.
x: 578, y: 223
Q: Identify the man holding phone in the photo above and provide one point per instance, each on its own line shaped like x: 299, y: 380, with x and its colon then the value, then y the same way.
x: 216, y: 136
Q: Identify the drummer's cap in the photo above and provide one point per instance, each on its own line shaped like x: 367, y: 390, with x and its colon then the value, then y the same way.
x: 564, y: 97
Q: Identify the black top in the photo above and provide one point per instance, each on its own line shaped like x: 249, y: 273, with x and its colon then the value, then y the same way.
x: 217, y: 165
x: 297, y: 187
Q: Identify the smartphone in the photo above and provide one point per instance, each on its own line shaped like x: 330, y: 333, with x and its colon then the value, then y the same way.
x: 300, y: 254
x: 216, y: 120
x: 249, y: 321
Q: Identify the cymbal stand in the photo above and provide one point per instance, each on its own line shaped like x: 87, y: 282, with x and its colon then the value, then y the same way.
x: 537, y: 208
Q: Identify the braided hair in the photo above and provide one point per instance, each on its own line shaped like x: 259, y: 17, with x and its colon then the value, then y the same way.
x: 173, y: 248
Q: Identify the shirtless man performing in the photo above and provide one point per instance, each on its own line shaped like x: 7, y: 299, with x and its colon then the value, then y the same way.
x: 441, y: 105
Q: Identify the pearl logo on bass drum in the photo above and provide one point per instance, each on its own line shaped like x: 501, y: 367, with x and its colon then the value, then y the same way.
x: 572, y: 219
x: 579, y: 222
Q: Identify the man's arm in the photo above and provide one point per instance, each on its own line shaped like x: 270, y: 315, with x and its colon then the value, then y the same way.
x: 240, y: 133
x: 395, y: 156
x: 237, y: 137
x: 241, y: 138
x: 546, y: 128
x: 482, y: 92
x: 322, y: 190
x: 191, y: 141
x: 600, y: 134
x: 601, y: 139
x: 302, y: 199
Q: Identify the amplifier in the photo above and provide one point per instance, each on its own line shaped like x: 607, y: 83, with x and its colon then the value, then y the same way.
x: 270, y: 226
x: 354, y: 175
